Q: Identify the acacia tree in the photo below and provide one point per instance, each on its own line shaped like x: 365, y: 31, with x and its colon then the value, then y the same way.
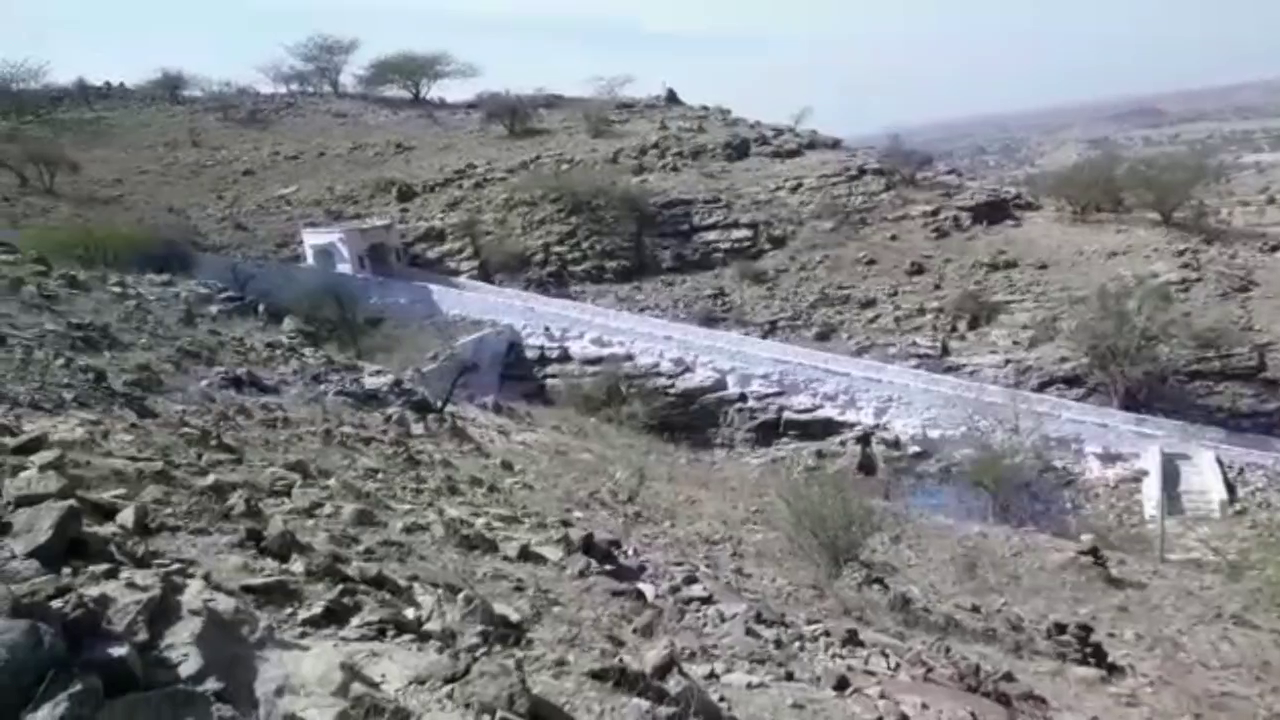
x: 415, y: 73
x: 324, y: 58
x: 1166, y: 182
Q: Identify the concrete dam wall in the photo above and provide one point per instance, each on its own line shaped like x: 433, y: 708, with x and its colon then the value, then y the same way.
x: 907, y: 401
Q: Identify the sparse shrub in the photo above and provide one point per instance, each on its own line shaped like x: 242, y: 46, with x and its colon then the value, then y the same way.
x: 595, y: 195
x: 120, y: 248
x: 224, y: 89
x: 170, y: 84
x: 907, y: 162
x: 320, y: 61
x: 26, y: 155
x: 48, y: 159
x: 1019, y: 484
x: 611, y: 397
x: 20, y: 82
x: 603, y: 203
x: 971, y: 309
x: 335, y: 311
x: 800, y: 117
x: 1165, y: 183
x: 514, y: 113
x: 415, y: 73
x: 290, y: 78
x: 1131, y: 332
x: 596, y: 120
x: 83, y: 91
x: 827, y: 518
x: 495, y: 254
x: 1089, y: 185
x: 14, y: 161
x: 749, y: 272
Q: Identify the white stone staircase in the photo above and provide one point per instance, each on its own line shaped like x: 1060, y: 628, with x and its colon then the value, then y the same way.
x: 1191, y: 480
x: 1195, y: 494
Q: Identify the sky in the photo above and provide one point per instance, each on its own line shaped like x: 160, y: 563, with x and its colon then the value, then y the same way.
x: 861, y: 66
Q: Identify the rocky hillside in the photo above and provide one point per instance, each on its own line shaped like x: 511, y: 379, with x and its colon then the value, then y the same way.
x: 692, y: 213
x: 207, y: 513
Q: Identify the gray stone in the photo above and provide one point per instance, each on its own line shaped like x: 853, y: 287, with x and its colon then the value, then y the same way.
x: 133, y: 519
x: 44, y: 532
x: 28, y: 652
x: 171, y: 703
x: 79, y: 699
x: 211, y: 646
x: 115, y: 662
x: 32, y: 487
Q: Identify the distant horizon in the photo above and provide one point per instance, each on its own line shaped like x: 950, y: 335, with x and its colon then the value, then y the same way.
x: 1099, y: 102
x: 862, y: 69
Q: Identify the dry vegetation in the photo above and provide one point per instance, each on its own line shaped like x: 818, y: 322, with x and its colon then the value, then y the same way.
x: 523, y: 550
x: 584, y: 533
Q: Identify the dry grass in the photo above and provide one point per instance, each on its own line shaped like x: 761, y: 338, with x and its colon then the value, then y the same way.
x: 827, y: 517
x: 124, y: 248
x: 971, y: 308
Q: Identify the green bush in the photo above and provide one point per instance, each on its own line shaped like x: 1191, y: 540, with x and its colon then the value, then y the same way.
x: 827, y: 518
x: 515, y: 113
x: 1089, y: 185
x: 605, y: 201
x: 121, y: 248
x: 335, y: 312
x: 1132, y: 335
x: 1165, y: 183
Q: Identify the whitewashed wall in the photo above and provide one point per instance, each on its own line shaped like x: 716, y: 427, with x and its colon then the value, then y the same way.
x: 910, y: 401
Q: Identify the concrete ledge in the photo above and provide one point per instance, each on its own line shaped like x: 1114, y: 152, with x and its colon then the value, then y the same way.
x: 486, y: 351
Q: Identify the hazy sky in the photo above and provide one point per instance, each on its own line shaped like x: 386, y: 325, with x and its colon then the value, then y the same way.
x: 860, y: 65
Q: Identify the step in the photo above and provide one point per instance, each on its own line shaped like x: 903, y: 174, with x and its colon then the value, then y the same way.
x: 1189, y: 476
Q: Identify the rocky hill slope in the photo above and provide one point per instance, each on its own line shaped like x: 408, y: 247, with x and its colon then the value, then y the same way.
x: 206, y: 513
x: 691, y: 213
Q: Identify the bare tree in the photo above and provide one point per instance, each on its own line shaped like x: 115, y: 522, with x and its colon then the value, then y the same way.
x: 24, y: 74
x: 25, y: 154
x: 800, y: 117
x: 324, y: 58
x: 19, y: 82
x: 415, y: 73
x: 50, y: 159
x: 610, y: 87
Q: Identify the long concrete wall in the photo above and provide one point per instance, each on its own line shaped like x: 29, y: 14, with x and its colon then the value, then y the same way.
x: 910, y: 401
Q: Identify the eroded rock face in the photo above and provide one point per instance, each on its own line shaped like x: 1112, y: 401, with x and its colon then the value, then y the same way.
x: 672, y: 400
